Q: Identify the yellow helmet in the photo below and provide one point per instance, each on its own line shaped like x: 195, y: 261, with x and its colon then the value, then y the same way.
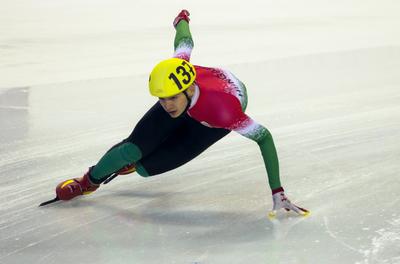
x: 171, y: 77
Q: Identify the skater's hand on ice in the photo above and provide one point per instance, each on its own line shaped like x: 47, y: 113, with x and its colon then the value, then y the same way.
x: 281, y: 201
x: 183, y: 15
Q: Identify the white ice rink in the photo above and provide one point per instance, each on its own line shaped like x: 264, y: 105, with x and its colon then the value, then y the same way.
x: 323, y: 76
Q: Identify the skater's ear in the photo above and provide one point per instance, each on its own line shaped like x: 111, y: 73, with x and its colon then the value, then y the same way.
x: 191, y: 90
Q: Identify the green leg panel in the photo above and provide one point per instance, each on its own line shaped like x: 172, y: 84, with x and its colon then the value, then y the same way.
x: 114, y: 160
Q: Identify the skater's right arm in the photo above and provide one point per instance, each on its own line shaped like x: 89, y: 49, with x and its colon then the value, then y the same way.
x: 183, y: 43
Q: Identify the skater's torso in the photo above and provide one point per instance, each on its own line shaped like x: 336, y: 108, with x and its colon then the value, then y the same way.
x: 220, y: 98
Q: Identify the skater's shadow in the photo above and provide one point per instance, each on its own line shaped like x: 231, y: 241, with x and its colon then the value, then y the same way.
x: 179, y: 211
x: 182, y: 214
x: 169, y: 210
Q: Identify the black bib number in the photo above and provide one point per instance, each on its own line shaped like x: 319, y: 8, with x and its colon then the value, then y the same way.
x: 183, y: 72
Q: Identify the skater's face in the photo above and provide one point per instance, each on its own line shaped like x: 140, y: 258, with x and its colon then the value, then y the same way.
x: 176, y: 105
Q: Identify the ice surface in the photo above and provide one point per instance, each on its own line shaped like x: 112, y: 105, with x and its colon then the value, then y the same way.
x: 323, y: 76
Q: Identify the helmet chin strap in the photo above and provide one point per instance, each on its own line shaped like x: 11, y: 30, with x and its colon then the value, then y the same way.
x: 188, y: 104
x: 189, y: 101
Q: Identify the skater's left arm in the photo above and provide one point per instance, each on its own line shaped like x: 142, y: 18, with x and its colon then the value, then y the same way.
x: 183, y: 43
x: 249, y: 128
x: 261, y: 135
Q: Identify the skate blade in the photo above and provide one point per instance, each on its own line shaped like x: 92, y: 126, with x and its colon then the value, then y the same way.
x: 49, y: 201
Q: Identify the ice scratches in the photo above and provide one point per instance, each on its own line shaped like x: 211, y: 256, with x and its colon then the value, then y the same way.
x: 385, y: 246
x: 16, y: 217
x: 14, y: 107
x: 337, y: 239
x: 48, y: 238
x: 200, y: 259
x: 45, y: 258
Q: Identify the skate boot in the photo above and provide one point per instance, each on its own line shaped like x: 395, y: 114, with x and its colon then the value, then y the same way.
x: 130, y: 168
x: 69, y: 189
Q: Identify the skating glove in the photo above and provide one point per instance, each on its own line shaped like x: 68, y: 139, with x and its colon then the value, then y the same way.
x: 281, y: 201
x: 183, y: 15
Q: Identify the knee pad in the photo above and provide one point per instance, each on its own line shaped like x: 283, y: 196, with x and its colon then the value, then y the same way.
x: 130, y: 152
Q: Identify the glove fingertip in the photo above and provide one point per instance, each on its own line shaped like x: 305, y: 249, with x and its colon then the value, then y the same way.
x: 305, y: 212
x: 272, y: 214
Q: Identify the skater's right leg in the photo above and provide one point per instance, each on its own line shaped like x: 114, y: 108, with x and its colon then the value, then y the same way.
x: 155, y: 126
x: 69, y: 189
